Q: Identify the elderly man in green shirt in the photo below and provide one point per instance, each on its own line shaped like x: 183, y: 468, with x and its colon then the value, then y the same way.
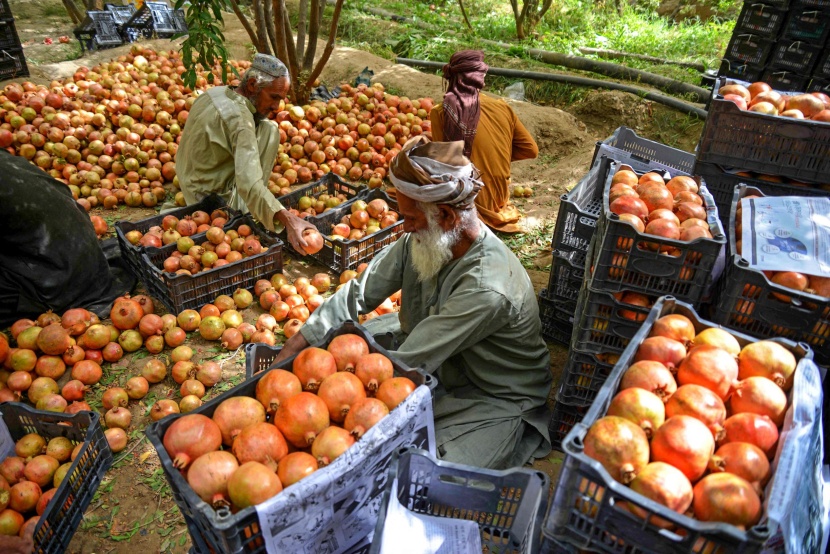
x: 468, y: 313
x: 228, y: 147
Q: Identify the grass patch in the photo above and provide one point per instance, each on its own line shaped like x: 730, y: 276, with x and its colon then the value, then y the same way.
x: 53, y: 10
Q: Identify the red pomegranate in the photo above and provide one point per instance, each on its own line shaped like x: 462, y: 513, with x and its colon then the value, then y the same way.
x: 714, y: 336
x: 764, y: 358
x: 126, y: 313
x: 759, y: 395
x: 54, y: 340
x: 209, y: 474
x: 339, y: 391
x: 744, y: 460
x: 235, y: 414
x: 252, y: 484
x: 373, y: 369
x: 684, y: 442
x: 661, y: 349
x: 76, y: 321
x: 275, y: 387
x: 394, y: 391
x: 674, y: 326
x: 296, y: 466
x: 754, y: 429
x: 726, y: 498
x: 330, y: 444
x: 301, y: 418
x: 347, y: 349
x: 312, y: 365
x: 620, y: 446
x: 261, y: 442
x: 710, y: 367
x: 639, y: 406
x: 191, y: 436
x: 666, y: 485
x: 700, y: 403
x: 364, y: 415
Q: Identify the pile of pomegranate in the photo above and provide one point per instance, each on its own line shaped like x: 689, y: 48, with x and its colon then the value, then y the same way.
x: 173, y: 229
x: 220, y: 247
x: 795, y: 280
x: 363, y: 220
x: 695, y: 422
x: 670, y: 210
x: 30, y: 478
x: 316, y: 205
x: 299, y: 421
x: 759, y: 97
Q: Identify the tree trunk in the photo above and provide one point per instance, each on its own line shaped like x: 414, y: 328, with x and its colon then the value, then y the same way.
x: 324, y: 58
x: 73, y: 12
x: 269, y: 25
x: 301, y: 24
x: 245, y: 24
x: 262, y: 35
x: 313, y: 31
x: 464, y: 13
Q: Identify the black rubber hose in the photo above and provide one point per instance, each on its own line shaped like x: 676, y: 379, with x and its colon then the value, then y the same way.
x: 574, y: 80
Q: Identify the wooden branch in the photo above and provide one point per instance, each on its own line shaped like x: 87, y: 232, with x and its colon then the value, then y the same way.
x: 313, y: 32
x: 269, y: 26
x: 302, y: 16
x: 279, y: 28
x: 262, y: 34
x: 290, y: 51
x: 321, y: 63
x: 72, y: 10
x: 244, y: 21
x: 464, y: 13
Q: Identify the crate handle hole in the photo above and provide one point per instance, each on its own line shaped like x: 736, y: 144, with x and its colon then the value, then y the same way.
x: 479, y: 484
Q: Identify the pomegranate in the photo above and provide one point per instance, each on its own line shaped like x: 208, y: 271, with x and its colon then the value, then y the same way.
x: 112, y: 352
x: 175, y: 337
x: 720, y: 338
x: 191, y: 436
x: 260, y: 442
x: 192, y: 387
x: 154, y: 371
x: 44, y: 501
x: 651, y: 376
x: 189, y: 403
x: 743, y: 459
x: 209, y: 474
x: 41, y: 469
x: 301, y: 418
x: 657, y: 197
x: 41, y: 387
x: 394, y: 391
x: 330, y: 444
x: 189, y: 320
x: 113, y: 397
x: 87, y: 372
x: 684, y: 442
x: 700, y: 403
x: 51, y: 403
x: 76, y: 407
x: 339, y: 391
x: 754, y: 429
x: 73, y: 355
x: 163, y: 408
x: 11, y: 469
x: 629, y: 205
x: 231, y: 339
x: 666, y: 485
x: 296, y: 466
x: 59, y: 448
x: 126, y: 313
x: 130, y: 340
x: 275, y: 387
x: 150, y: 325
x: 312, y: 366
x: 759, y: 395
x: 209, y: 373
x: 182, y: 371
x: 252, y: 484
x: 373, y: 369
x: 118, y: 417
x: 76, y: 321
x: 24, y: 495
x: 619, y: 445
x: 676, y: 327
x: 643, y: 408
x: 710, y: 367
x: 768, y: 359
x: 50, y: 366
x: 53, y: 340
x: 661, y: 349
x: 211, y: 328
x: 726, y: 498
x: 347, y: 349
x: 235, y: 414
x: 116, y: 438
x: 11, y: 522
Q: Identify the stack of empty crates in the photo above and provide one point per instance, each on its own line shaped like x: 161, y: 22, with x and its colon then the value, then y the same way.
x: 599, y: 261
x: 12, y: 61
x: 780, y: 42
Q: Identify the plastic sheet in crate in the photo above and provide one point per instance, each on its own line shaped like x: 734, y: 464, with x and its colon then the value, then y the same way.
x: 340, y: 255
x: 508, y: 505
x: 605, y: 322
x: 181, y: 292
x: 807, y: 23
x: 13, y: 64
x: 587, y: 511
x: 746, y: 301
x: 797, y: 56
x: 557, y: 319
x: 131, y: 254
x: 328, y: 511
x: 564, y: 417
x: 566, y: 274
x: 749, y: 48
x: 761, y: 19
x: 623, y: 259
x: 584, y: 374
x: 64, y: 512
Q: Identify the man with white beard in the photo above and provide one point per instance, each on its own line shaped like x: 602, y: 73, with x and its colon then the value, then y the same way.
x: 468, y: 313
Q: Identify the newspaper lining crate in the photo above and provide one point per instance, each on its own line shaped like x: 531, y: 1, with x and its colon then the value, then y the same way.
x: 557, y: 320
x: 340, y: 255
x: 585, y: 512
x: 508, y: 505
x: 63, y: 514
x: 13, y: 64
x: 745, y: 301
x: 182, y: 292
x: 131, y: 254
x: 621, y: 259
x: 749, y: 48
x: 807, y: 23
x: 605, y: 324
x: 761, y: 19
x: 584, y: 375
x: 241, y: 532
x: 772, y: 145
x: 797, y: 56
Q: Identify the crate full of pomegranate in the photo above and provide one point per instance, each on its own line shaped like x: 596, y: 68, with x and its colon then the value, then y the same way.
x: 699, y: 441
x: 295, y: 459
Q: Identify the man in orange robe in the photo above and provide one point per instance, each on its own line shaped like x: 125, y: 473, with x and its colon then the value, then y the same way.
x: 492, y: 133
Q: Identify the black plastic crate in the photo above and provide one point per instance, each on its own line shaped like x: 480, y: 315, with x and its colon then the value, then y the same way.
x: 749, y: 48
x: 785, y: 80
x: 153, y: 18
x: 586, y: 509
x: 8, y: 35
x: 221, y: 530
x: 819, y: 85
x: 745, y: 301
x: 330, y: 184
x: 822, y: 68
x: 820, y: 4
x: 809, y: 24
x: 643, y: 154
x: 566, y: 274
x: 131, y: 254
x: 100, y: 29
x: 564, y: 417
x: 605, y: 325
x: 760, y: 19
x: 5, y: 10
x: 13, y: 64
x: 179, y: 21
x: 340, y: 255
x: 557, y: 319
x: 772, y: 145
x: 721, y: 185
x: 797, y: 56
x: 63, y: 514
x: 121, y: 14
x: 508, y: 506
x: 583, y: 376
x: 620, y: 261
x: 740, y: 70
x: 182, y: 292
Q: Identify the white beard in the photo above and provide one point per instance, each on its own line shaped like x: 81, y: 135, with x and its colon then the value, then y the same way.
x: 431, y: 249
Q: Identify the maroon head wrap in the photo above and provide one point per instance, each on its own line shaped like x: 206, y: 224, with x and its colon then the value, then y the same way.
x: 465, y: 78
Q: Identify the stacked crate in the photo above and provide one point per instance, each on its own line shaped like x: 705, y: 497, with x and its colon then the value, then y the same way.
x: 779, y: 42
x: 579, y: 308
x: 12, y: 61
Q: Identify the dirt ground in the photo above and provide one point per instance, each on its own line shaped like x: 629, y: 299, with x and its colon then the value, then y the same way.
x: 133, y: 510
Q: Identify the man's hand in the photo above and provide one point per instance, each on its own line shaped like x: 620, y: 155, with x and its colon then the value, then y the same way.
x: 295, y: 226
x: 18, y: 545
x: 293, y: 346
